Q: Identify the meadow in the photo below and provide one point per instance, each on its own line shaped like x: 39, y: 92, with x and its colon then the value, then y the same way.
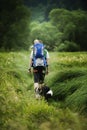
x: 67, y: 77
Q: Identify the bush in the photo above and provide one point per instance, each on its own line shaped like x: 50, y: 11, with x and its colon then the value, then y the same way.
x: 68, y: 46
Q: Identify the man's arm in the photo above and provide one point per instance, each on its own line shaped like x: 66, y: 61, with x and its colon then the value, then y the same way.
x: 47, y: 57
x: 30, y: 61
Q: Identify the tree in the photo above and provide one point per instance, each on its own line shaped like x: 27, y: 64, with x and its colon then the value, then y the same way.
x: 73, y: 25
x: 14, y: 24
x: 45, y: 32
x: 80, y: 21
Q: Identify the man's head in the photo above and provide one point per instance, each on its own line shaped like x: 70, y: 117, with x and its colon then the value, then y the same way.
x: 36, y: 41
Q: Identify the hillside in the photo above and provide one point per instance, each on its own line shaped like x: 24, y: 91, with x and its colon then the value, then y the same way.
x: 67, y: 77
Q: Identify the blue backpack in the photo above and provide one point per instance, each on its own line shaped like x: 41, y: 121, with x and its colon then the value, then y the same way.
x: 38, y: 50
x: 38, y: 55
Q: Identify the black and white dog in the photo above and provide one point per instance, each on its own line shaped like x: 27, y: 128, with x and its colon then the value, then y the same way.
x: 46, y: 92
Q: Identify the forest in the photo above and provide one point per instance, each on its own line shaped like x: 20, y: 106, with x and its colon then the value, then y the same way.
x: 61, y: 25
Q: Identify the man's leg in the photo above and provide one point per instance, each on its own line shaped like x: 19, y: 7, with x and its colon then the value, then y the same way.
x: 41, y: 76
x: 36, y: 84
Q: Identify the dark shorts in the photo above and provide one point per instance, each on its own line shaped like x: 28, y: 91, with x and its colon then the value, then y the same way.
x: 39, y: 74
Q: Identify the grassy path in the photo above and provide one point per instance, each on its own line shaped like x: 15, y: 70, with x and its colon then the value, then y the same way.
x: 67, y: 78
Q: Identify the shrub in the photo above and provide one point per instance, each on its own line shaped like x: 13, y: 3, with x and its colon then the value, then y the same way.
x: 68, y: 46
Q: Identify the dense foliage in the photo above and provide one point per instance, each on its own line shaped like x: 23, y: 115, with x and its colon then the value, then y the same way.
x: 73, y: 25
x: 51, y: 21
x: 50, y: 4
x: 14, y: 22
x: 65, y: 31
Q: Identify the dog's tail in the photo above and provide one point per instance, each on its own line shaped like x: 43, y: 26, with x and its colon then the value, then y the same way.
x: 50, y: 92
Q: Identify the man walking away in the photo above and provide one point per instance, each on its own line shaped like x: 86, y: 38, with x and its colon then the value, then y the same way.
x: 39, y: 62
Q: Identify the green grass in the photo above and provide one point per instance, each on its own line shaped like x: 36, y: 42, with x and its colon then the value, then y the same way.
x: 69, y: 80
x: 19, y: 110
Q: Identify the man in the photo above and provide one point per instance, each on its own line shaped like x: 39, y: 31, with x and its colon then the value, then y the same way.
x: 39, y: 70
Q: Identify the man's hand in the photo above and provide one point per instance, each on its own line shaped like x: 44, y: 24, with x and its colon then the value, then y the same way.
x: 47, y: 70
x: 29, y: 70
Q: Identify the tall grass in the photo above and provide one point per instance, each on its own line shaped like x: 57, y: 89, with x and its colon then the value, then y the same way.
x: 68, y: 80
x: 20, y: 110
